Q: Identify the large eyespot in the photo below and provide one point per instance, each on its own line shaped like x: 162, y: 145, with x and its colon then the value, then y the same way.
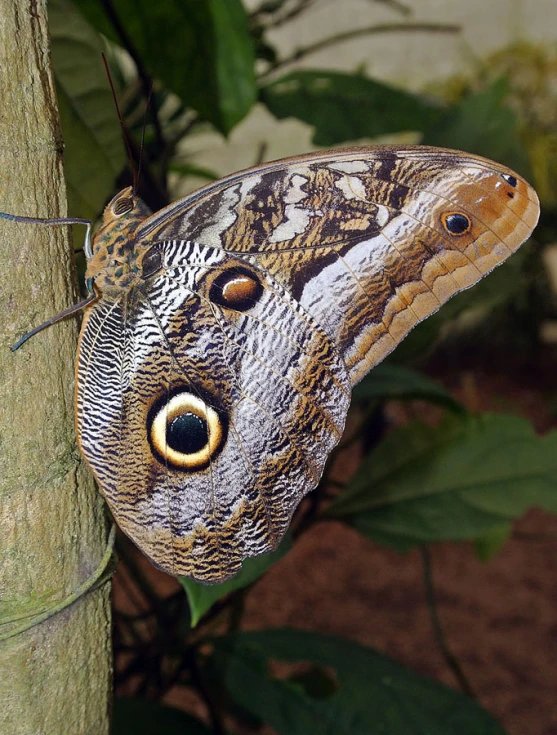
x: 236, y: 288
x: 185, y: 432
x: 121, y: 206
x: 456, y: 223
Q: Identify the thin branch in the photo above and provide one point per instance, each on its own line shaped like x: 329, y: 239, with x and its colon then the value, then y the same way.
x: 192, y: 119
x: 357, y: 33
x: 448, y: 655
x: 275, y: 19
x: 212, y: 706
x: 156, y: 602
x: 179, y: 676
x: 396, y: 6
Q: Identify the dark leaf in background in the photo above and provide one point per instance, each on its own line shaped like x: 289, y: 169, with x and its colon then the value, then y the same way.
x: 482, y: 123
x: 140, y: 717
x: 365, y: 691
x: 94, y: 150
x: 201, y: 597
x: 460, y: 480
x: 344, y: 107
x: 394, y: 382
x: 202, y: 51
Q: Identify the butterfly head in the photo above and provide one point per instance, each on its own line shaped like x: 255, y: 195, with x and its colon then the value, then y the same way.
x: 113, y: 266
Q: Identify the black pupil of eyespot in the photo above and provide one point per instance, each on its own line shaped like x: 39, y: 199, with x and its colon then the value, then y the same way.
x: 510, y: 180
x: 457, y: 223
x: 187, y: 433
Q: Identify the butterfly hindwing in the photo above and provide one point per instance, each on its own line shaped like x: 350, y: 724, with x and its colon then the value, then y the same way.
x: 269, y: 376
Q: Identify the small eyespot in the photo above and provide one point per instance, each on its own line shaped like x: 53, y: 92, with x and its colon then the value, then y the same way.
x: 185, y: 432
x: 237, y: 289
x: 122, y: 206
x: 512, y: 180
x: 456, y: 223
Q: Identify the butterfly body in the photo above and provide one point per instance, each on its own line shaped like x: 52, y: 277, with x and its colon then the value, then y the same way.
x: 214, y: 371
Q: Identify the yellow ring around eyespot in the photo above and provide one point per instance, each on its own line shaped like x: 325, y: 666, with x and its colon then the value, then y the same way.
x: 445, y: 216
x: 177, y: 405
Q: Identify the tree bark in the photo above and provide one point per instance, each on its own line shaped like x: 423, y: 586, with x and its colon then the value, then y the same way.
x: 55, y: 677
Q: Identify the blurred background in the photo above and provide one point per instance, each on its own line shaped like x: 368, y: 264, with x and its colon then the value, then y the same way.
x: 419, y: 578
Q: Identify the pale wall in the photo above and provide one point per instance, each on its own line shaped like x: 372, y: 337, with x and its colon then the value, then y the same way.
x: 411, y: 60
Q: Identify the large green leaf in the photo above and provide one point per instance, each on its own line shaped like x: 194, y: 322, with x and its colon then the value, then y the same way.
x: 140, y: 717
x: 202, y: 597
x: 482, y: 123
x: 460, y: 480
x: 344, y: 107
x: 202, y: 51
x: 94, y: 152
x: 367, y: 693
x: 388, y: 382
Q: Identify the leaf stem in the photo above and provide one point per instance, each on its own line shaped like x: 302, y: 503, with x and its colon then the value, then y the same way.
x: 448, y: 655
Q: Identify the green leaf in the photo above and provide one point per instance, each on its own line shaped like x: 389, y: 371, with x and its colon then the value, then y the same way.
x: 492, y: 542
x: 344, y: 107
x: 94, y: 154
x: 202, y: 597
x: 388, y: 382
x: 370, y: 692
x: 457, y: 481
x: 140, y: 717
x: 202, y: 51
x: 482, y: 123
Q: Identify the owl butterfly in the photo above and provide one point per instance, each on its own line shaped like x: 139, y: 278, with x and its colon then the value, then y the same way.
x: 215, y: 367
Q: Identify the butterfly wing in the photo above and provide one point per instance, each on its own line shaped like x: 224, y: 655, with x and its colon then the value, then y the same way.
x: 263, y: 388
x: 369, y: 240
x: 210, y: 395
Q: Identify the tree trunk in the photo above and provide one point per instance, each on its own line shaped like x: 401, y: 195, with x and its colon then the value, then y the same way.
x: 55, y: 677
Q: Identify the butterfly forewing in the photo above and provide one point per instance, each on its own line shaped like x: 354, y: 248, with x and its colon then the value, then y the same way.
x: 357, y: 236
x: 211, y: 391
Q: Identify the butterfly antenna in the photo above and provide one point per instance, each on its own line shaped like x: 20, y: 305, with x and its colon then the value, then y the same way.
x: 93, y: 296
x: 126, y: 139
x: 54, y: 222
x: 143, y: 131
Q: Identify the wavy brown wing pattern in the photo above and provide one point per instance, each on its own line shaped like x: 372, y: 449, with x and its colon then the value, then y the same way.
x: 358, y: 236
x: 212, y: 388
x: 265, y: 384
